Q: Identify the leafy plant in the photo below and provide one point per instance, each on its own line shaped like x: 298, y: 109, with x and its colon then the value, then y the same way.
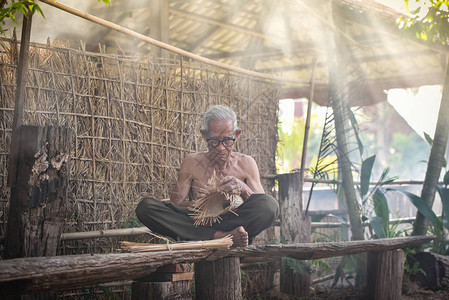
x: 131, y: 223
x: 411, y: 265
x: 374, y: 203
x: 22, y: 6
x: 439, y: 225
x: 298, y: 266
x: 429, y: 21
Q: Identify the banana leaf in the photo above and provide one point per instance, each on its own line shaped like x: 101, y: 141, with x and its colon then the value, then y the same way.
x: 382, y: 210
x: 444, y: 195
x: 378, y: 227
x: 425, y: 210
x: 365, y: 177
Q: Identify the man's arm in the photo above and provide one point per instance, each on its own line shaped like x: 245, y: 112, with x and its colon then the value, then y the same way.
x: 253, y: 184
x: 180, y: 192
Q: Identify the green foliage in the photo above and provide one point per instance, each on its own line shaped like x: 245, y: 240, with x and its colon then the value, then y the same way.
x: 93, y: 293
x: 430, y: 21
x: 425, y: 210
x: 411, y: 265
x: 374, y: 200
x: 297, y: 266
x: 243, y: 278
x: 374, y: 197
x: 24, y: 7
x: 290, y: 145
x: 131, y: 223
x: 356, y: 129
x: 407, y: 150
x: 439, y: 225
x: 21, y: 6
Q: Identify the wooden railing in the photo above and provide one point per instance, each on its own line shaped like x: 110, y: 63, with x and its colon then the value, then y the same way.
x: 34, y: 274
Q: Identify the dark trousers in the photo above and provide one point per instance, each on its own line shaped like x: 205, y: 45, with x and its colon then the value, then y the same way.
x: 257, y: 213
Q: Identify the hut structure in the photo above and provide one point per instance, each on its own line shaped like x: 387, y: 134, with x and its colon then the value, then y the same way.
x: 136, y: 108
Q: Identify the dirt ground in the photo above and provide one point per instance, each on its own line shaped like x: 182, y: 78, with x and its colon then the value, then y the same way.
x: 410, y: 291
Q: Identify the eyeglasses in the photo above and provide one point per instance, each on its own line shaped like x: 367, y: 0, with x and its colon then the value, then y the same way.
x: 213, y: 143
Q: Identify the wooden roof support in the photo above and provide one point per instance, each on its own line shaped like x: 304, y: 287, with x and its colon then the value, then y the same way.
x: 159, y: 23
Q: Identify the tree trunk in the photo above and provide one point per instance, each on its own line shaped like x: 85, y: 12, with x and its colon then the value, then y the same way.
x: 338, y: 93
x: 338, y: 87
x: 38, y: 199
x: 39, y: 194
x: 436, y: 158
x: 218, y: 279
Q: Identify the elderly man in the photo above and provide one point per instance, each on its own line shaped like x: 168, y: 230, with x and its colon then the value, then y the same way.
x: 237, y: 174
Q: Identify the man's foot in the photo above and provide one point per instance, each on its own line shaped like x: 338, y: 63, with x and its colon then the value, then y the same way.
x: 239, y: 236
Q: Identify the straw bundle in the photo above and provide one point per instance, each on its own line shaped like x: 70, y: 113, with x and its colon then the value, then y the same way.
x: 225, y: 242
x: 207, y: 210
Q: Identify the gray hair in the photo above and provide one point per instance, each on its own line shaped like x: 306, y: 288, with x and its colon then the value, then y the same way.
x: 219, y: 112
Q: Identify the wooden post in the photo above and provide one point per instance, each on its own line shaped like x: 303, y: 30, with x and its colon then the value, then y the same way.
x: 21, y: 80
x: 167, y: 282
x: 295, y: 228
x: 38, y: 199
x: 218, y: 279
x: 385, y: 272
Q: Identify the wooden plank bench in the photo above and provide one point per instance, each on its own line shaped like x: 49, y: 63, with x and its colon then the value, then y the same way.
x: 34, y: 274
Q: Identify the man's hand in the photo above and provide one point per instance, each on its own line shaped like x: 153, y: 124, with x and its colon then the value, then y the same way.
x: 206, y: 190
x: 231, y: 185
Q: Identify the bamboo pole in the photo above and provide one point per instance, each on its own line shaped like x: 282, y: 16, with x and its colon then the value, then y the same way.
x: 307, y: 127
x: 104, y: 233
x: 168, y: 47
x: 144, y: 230
x: 330, y: 181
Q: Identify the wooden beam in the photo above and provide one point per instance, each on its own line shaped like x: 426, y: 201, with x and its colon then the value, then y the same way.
x: 159, y: 23
x: 193, y: 46
x: 232, y: 27
x: 372, y: 91
x: 27, y: 275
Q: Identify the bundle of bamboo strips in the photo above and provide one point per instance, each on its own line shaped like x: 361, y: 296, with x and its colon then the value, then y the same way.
x: 225, y: 242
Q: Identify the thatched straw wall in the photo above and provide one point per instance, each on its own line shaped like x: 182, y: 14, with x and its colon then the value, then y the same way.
x: 135, y: 119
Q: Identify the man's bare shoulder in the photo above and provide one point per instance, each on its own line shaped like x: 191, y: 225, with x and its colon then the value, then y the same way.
x: 195, y: 156
x: 193, y: 160
x: 244, y: 158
